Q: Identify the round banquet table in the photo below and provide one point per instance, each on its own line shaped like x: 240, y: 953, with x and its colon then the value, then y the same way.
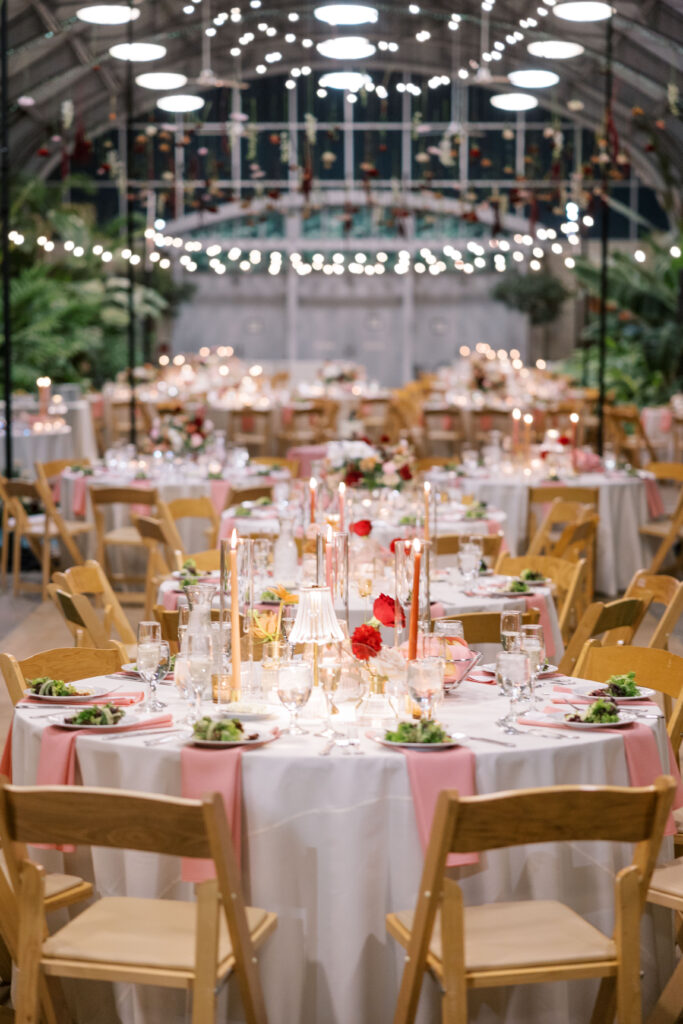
x: 622, y: 506
x: 331, y: 845
x: 30, y: 446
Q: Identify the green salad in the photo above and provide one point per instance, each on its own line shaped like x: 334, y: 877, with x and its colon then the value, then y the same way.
x: 477, y: 510
x: 98, y: 714
x: 241, y: 512
x: 227, y: 730
x: 619, y: 686
x: 417, y: 732
x: 46, y: 687
x: 602, y: 711
x: 531, y: 576
x: 518, y: 587
x: 407, y: 521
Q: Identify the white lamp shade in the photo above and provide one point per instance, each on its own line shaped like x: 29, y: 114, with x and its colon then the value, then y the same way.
x: 315, y: 621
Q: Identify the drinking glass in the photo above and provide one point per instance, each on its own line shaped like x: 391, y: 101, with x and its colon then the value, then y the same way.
x: 513, y: 674
x: 470, y: 460
x: 468, y: 563
x: 329, y: 674
x: 160, y: 672
x: 425, y: 683
x: 262, y: 555
x: 181, y: 680
x: 533, y: 645
x: 288, y: 618
x: 294, y: 683
x: 274, y: 653
x: 199, y: 663
x: 148, y: 658
x: 449, y: 628
x: 510, y: 629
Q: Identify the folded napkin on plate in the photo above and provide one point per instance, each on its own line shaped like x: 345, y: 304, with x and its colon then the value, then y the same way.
x: 429, y: 773
x: 120, y: 700
x: 213, y: 771
x: 642, y: 757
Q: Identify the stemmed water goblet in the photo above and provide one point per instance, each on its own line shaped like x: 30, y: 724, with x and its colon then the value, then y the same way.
x: 329, y: 674
x: 533, y: 645
x: 148, y: 659
x: 199, y: 666
x: 294, y: 684
x: 425, y: 683
x: 513, y: 675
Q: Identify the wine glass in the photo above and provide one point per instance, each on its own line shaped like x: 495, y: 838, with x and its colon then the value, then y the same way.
x: 449, y: 628
x: 160, y: 672
x: 468, y: 563
x: 425, y: 683
x: 329, y: 674
x: 513, y: 674
x: 294, y: 683
x: 199, y: 664
x: 510, y: 629
x: 148, y: 658
x: 533, y: 645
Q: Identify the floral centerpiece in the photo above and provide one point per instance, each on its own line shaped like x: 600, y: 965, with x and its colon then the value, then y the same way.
x: 181, y: 433
x: 371, y: 467
x: 379, y: 664
x: 338, y: 372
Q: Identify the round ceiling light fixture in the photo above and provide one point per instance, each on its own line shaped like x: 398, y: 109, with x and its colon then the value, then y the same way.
x: 583, y: 10
x: 161, y: 80
x: 533, y: 78
x: 346, y: 14
x: 346, y: 48
x: 180, y: 104
x: 555, y: 49
x: 108, y: 14
x: 351, y: 81
x: 137, y: 51
x: 514, y: 101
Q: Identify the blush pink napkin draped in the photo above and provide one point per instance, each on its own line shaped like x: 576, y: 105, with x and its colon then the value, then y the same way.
x: 306, y: 455
x: 655, y: 505
x: 538, y: 602
x: 429, y: 773
x: 220, y: 489
x: 213, y: 771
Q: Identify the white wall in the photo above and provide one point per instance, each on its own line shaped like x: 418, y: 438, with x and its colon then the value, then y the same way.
x: 391, y: 324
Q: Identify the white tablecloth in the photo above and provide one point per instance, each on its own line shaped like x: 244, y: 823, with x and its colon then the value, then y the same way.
x: 331, y: 845
x: 622, y: 506
x: 30, y: 447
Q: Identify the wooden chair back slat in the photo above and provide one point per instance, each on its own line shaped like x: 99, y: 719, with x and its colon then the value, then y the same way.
x: 66, y: 663
x: 484, y: 627
x: 660, y: 670
x: 449, y: 544
x: 207, y: 561
x: 89, y: 580
x: 565, y: 575
x: 560, y: 512
x: 240, y: 495
x: 598, y: 618
x: 123, y: 496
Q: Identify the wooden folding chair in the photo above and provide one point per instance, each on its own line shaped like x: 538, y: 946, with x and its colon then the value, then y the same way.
x: 66, y: 663
x: 668, y: 529
x: 121, y: 537
x: 449, y: 544
x: 207, y: 561
x: 83, y: 621
x: 89, y: 579
x: 277, y: 462
x: 666, y: 890
x: 252, y: 428
x: 566, y: 577
x: 624, y: 615
x: 168, y: 943
x: 48, y: 472
x: 577, y: 542
x: 168, y: 620
x: 523, y: 943
x: 162, y: 558
x: 544, y: 496
x: 240, y: 494
x: 202, y: 508
x: 484, y: 627
x: 664, y: 590
x: 443, y: 427
x: 559, y: 514
x: 626, y: 432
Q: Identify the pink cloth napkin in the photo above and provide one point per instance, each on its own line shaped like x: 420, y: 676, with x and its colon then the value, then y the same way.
x: 169, y: 599
x: 586, y: 462
x: 120, y: 700
x: 79, y: 496
x: 538, y: 602
x: 213, y: 771
x: 306, y: 455
x: 429, y: 773
x: 655, y: 504
x: 219, y: 494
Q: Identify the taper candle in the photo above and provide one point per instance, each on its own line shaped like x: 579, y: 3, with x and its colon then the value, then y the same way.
x: 414, y: 601
x: 342, y: 503
x: 516, y: 417
x: 313, y: 487
x: 427, y: 497
x: 235, y: 620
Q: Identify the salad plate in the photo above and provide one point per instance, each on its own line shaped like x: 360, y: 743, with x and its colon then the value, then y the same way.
x: 454, y: 740
x: 559, y: 718
x: 84, y: 693
x: 127, y: 719
x: 597, y: 690
x: 130, y: 669
x: 247, y: 712
x: 259, y: 741
x: 227, y: 732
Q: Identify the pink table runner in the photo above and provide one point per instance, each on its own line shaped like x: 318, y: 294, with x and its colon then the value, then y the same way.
x: 213, y: 771
x: 538, y: 602
x: 655, y: 504
x: 306, y: 455
x: 429, y: 773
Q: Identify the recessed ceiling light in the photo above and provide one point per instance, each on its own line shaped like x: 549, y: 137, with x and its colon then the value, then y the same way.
x: 514, y: 101
x: 346, y: 48
x: 555, y: 49
x: 180, y: 104
x: 108, y: 14
x: 137, y: 51
x: 161, y: 80
x: 346, y: 14
x: 352, y: 81
x: 583, y: 10
x: 533, y: 78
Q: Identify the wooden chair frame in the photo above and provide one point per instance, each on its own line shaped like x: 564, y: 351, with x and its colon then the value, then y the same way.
x: 240, y: 494
x: 89, y: 579
x: 625, y: 615
x: 190, y: 508
x: 449, y: 544
x: 559, y: 512
x: 554, y: 814
x: 102, y: 497
x: 484, y: 627
x: 161, y: 556
x: 663, y: 894
x: 277, y: 462
x: 83, y: 621
x: 208, y: 561
x: 66, y: 663
x: 566, y: 576
x: 666, y: 590
x: 548, y: 493
x: 119, y: 820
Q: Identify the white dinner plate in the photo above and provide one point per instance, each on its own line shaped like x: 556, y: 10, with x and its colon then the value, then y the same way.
x: 212, y: 574
x: 491, y: 669
x: 535, y: 583
x: 130, y: 670
x: 247, y: 712
x: 260, y: 741
x: 86, y: 693
x: 584, y: 690
x: 130, y: 718
x: 558, y: 718
x: 456, y: 740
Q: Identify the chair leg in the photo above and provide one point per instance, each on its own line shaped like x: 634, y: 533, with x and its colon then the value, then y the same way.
x: 206, y: 953
x: 605, y: 1003
x: 31, y: 924
x: 16, y: 562
x: 4, y: 551
x: 454, y: 1000
x: 45, y: 563
x: 627, y: 936
x: 668, y: 1007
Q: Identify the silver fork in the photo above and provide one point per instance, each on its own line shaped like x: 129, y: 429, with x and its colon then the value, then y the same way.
x: 511, y: 730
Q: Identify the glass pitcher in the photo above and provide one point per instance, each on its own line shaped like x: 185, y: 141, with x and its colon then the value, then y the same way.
x: 200, y: 598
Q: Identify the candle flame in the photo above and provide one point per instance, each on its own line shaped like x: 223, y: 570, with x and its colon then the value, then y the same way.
x: 428, y: 486
x: 516, y: 414
x: 329, y: 533
x: 528, y: 418
x: 233, y: 539
x: 416, y: 546
x: 574, y: 417
x: 43, y: 382
x: 313, y: 483
x: 342, y: 487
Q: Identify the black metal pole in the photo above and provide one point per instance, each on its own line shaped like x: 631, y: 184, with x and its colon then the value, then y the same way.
x: 604, y: 280
x: 5, y: 228
x: 129, y: 233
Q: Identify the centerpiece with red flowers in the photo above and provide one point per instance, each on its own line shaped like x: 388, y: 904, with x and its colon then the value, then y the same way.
x: 382, y: 668
x: 181, y: 433
x: 370, y: 467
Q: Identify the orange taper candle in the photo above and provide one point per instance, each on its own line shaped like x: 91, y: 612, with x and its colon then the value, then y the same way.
x: 235, y: 620
x: 415, y: 602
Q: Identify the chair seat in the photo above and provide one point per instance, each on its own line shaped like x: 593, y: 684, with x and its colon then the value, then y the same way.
x: 678, y: 818
x: 54, y: 883
x: 123, y: 535
x: 139, y: 932
x: 78, y: 526
x: 657, y: 528
x: 503, y: 936
x: 668, y: 880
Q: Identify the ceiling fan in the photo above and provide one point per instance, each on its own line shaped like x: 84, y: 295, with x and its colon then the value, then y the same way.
x: 207, y: 77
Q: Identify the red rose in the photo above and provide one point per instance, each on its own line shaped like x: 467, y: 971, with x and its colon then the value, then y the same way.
x: 362, y: 528
x: 399, y: 540
x: 384, y: 610
x: 366, y: 642
x: 404, y: 473
x: 543, y: 455
x: 564, y: 440
x: 353, y: 477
